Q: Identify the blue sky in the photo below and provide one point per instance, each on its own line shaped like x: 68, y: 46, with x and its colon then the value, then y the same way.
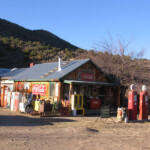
x: 84, y: 22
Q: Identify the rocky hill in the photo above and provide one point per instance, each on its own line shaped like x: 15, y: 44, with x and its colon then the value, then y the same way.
x: 20, y: 46
x: 8, y: 29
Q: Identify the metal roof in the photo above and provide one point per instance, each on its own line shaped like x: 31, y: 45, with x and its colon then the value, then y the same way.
x: 48, y: 71
x: 3, y: 70
x: 12, y: 72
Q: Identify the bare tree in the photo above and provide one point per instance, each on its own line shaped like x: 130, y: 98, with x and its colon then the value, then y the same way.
x: 117, y: 59
x: 121, y: 63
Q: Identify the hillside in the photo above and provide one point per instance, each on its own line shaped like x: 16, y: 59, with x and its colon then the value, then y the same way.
x: 8, y: 29
x: 20, y: 46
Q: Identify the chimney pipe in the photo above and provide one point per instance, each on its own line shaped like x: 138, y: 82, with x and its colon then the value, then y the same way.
x: 59, y: 64
x: 31, y: 64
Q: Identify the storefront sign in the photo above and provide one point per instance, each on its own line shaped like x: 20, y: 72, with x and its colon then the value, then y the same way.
x: 39, y: 89
x: 26, y: 85
x: 86, y: 75
x: 105, y: 112
x: 20, y: 86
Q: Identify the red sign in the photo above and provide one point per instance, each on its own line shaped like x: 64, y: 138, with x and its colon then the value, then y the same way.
x: 39, y: 89
x: 19, y: 86
x: 87, y: 76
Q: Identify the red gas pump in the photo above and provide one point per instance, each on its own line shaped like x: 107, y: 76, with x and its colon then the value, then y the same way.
x: 4, y: 96
x: 132, y: 103
x: 143, y: 104
x: 0, y: 91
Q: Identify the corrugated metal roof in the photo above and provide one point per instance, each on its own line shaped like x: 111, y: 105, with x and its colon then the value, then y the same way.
x: 12, y: 72
x: 41, y: 72
x: 4, y: 70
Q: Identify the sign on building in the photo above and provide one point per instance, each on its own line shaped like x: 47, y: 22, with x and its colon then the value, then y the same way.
x: 39, y: 89
x: 26, y: 85
x: 86, y: 75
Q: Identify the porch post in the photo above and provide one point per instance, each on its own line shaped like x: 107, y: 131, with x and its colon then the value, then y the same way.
x: 118, y: 97
x: 59, y: 91
x: 70, y: 91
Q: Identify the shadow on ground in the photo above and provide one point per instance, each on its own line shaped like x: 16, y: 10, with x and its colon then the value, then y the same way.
x: 27, y: 121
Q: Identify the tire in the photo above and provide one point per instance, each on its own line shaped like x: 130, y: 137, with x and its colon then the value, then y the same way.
x: 29, y: 108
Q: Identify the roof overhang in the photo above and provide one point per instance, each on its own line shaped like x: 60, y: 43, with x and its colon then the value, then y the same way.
x: 37, y: 80
x: 90, y: 83
x: 7, y: 81
x: 5, y: 78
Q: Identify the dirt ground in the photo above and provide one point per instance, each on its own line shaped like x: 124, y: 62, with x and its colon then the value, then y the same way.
x: 24, y: 132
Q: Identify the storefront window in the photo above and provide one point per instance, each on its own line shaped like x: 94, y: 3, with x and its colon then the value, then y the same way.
x: 52, y: 89
x: 66, y: 91
x: 76, y: 102
x: 80, y: 101
x: 101, y: 91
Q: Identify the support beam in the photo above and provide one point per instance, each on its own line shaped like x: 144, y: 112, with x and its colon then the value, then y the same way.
x: 70, y: 91
x: 59, y: 90
x: 118, y: 97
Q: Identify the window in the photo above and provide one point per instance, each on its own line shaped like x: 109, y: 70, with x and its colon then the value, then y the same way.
x: 76, y: 101
x: 51, y: 92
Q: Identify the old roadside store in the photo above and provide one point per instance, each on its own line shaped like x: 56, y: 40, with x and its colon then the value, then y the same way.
x: 60, y: 81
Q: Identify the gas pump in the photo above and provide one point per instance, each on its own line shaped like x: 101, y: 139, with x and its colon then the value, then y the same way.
x: 4, y: 96
x: 77, y: 104
x: 132, y: 103
x: 143, y: 104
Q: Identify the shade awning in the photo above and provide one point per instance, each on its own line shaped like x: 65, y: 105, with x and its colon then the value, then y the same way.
x: 90, y: 83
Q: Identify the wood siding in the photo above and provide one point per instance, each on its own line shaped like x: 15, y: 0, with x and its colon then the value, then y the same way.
x: 98, y: 76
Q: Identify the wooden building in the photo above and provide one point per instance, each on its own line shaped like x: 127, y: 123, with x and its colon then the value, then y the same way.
x: 7, y: 85
x: 7, y: 74
x: 59, y: 80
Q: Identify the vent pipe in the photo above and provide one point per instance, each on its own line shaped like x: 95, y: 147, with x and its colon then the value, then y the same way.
x: 31, y: 64
x: 59, y: 64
